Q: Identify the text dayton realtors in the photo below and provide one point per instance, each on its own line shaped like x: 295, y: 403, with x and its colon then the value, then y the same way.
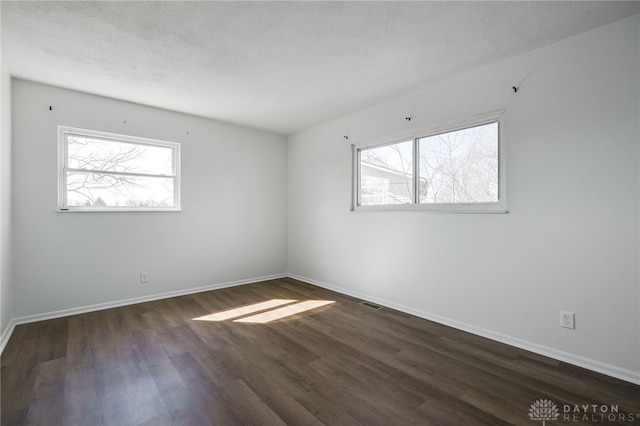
x: 595, y: 413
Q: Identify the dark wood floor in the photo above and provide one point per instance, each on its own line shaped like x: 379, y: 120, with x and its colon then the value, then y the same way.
x: 339, y: 364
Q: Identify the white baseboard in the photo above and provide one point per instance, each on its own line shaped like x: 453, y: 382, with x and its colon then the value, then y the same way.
x: 116, y: 304
x: 589, y: 364
x: 6, y: 334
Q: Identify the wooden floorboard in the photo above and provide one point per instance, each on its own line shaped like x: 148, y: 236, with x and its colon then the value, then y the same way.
x: 154, y: 363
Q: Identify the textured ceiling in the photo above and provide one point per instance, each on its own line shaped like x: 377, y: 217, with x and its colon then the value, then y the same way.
x: 277, y: 66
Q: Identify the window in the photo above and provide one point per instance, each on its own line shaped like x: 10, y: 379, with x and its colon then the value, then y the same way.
x: 459, y: 169
x: 386, y: 174
x: 107, y: 172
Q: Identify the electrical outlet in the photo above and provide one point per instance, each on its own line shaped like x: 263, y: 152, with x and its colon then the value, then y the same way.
x: 144, y: 277
x: 323, y: 266
x: 568, y: 320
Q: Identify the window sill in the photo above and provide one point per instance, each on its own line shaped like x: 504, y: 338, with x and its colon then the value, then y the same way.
x: 471, y: 208
x: 114, y: 210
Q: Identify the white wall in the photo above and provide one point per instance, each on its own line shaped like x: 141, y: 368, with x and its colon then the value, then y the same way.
x: 6, y: 289
x: 570, y: 241
x: 232, y: 227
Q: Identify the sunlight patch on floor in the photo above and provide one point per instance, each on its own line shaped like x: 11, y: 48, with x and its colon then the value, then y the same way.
x: 244, y: 310
x: 265, y: 312
x: 285, y: 311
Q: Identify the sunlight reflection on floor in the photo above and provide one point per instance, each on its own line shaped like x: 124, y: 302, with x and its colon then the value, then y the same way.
x: 266, y: 310
x: 285, y: 311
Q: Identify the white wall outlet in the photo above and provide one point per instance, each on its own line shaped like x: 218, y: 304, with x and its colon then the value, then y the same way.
x: 568, y: 320
x: 323, y: 266
x: 144, y: 277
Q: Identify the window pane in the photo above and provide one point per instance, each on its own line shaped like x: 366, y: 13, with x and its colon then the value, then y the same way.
x: 386, y: 174
x: 93, y: 189
x: 460, y: 166
x: 104, y: 155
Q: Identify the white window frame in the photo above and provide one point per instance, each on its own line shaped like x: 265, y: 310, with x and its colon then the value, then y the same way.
x: 415, y: 135
x: 64, y: 131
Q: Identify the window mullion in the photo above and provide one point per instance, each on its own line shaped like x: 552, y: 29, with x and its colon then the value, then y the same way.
x: 109, y: 172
